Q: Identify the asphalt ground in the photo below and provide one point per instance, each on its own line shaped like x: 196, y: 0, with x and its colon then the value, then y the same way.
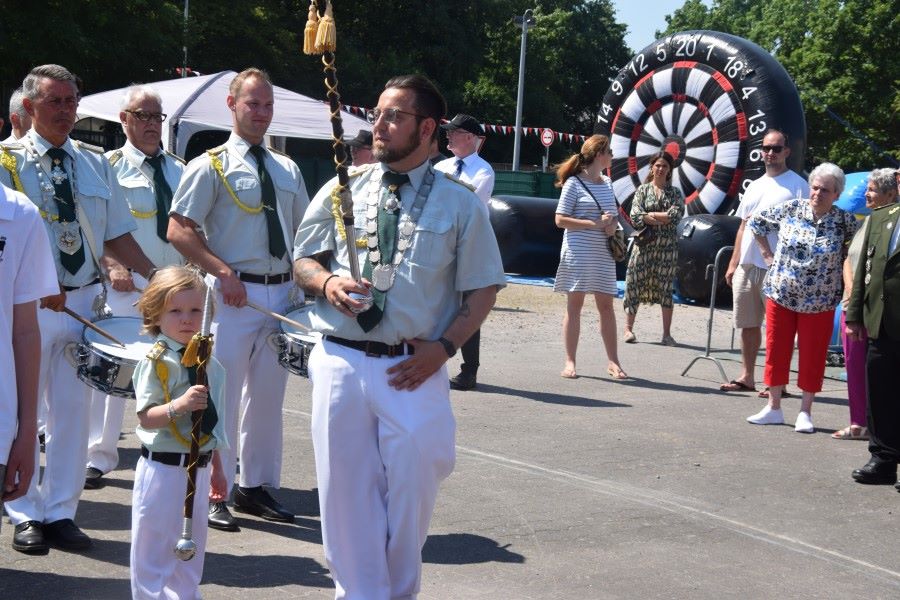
x: 655, y: 487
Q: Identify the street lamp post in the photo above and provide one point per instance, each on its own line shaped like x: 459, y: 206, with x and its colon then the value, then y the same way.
x: 525, y: 21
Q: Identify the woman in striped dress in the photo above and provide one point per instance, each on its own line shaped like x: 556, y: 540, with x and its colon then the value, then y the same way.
x: 588, y: 214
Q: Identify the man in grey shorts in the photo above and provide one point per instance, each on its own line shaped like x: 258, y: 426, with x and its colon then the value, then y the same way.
x: 747, y: 269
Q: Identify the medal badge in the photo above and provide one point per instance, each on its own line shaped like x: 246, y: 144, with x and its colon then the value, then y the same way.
x: 383, y: 277
x: 68, y: 236
x: 392, y: 203
x: 57, y: 174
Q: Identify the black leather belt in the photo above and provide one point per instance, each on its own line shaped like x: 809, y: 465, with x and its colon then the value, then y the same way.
x: 265, y: 279
x: 72, y: 288
x: 175, y: 459
x: 374, y: 349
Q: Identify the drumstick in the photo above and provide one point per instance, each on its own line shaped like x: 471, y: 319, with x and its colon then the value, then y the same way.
x: 90, y: 325
x: 282, y: 318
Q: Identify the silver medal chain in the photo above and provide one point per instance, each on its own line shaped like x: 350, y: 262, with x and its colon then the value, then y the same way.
x: 383, y: 273
x: 43, y: 176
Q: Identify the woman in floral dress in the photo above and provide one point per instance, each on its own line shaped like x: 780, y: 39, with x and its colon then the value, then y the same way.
x: 651, y: 269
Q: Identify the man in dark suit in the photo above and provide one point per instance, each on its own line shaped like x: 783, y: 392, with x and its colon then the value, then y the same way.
x: 875, y: 303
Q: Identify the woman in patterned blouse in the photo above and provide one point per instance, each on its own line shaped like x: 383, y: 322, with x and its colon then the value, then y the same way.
x: 650, y: 278
x: 803, y: 286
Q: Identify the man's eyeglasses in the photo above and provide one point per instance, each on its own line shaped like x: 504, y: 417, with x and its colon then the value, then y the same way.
x: 147, y: 117
x: 388, y: 114
x: 775, y: 149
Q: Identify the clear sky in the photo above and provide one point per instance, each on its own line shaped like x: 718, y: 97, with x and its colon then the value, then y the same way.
x: 644, y: 17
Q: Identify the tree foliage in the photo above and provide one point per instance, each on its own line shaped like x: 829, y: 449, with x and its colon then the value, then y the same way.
x: 840, y: 55
x: 470, y: 49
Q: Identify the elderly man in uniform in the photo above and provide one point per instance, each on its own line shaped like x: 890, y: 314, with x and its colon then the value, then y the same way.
x: 875, y: 304
x: 382, y: 425
x: 249, y: 201
x: 18, y: 117
x: 361, y: 148
x: 464, y: 134
x: 70, y: 183
x: 146, y: 177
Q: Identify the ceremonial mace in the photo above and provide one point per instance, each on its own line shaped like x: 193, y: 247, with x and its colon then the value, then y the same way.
x: 197, y: 354
x: 320, y: 37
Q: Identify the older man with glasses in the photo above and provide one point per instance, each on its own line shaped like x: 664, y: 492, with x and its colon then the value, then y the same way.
x: 146, y: 176
x: 747, y: 269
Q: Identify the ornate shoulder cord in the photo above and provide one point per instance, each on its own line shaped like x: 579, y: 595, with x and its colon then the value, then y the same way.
x: 162, y: 371
x: 217, y: 165
x: 8, y: 161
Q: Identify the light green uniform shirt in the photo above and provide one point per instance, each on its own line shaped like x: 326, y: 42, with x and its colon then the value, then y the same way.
x: 135, y: 178
x: 238, y: 237
x: 148, y: 392
x: 453, y: 249
x: 92, y: 186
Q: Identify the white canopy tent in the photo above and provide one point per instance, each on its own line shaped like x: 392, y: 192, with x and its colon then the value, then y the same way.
x: 198, y: 103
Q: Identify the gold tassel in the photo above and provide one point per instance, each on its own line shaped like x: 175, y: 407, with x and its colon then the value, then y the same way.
x: 191, y: 358
x: 312, y: 26
x: 326, y: 38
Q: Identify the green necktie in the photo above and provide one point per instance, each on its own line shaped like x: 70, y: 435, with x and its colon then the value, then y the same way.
x: 387, y: 245
x: 277, y: 247
x: 163, y: 194
x: 65, y: 205
x: 210, y: 416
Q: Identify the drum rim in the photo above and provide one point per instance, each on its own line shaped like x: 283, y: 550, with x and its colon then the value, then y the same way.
x: 96, y: 338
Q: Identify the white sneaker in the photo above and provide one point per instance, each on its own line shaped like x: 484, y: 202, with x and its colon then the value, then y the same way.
x: 767, y: 416
x: 804, y: 423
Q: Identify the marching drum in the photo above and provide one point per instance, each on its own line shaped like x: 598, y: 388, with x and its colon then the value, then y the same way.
x: 105, y: 366
x: 294, y: 345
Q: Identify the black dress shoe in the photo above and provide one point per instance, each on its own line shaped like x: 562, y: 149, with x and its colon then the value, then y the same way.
x: 220, y: 518
x: 93, y: 478
x: 463, y: 382
x: 65, y: 534
x: 257, y: 501
x: 876, y: 472
x: 29, y: 538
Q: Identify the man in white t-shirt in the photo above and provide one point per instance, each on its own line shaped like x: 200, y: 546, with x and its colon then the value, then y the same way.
x: 28, y: 274
x: 747, y: 269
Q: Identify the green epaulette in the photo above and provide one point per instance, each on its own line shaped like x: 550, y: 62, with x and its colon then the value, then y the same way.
x: 157, y: 350
x: 90, y: 147
x: 175, y: 156
x: 455, y: 179
x: 115, y: 157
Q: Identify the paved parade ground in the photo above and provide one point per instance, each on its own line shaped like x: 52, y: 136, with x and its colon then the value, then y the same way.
x: 655, y: 487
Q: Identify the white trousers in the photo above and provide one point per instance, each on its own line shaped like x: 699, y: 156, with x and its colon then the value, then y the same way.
x: 56, y: 496
x: 108, y: 412
x: 254, y: 384
x: 157, y: 514
x: 380, y: 457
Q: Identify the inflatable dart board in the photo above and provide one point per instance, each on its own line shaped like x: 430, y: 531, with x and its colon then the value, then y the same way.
x: 707, y: 98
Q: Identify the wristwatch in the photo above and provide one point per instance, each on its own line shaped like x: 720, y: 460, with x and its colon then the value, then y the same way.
x: 449, y: 348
